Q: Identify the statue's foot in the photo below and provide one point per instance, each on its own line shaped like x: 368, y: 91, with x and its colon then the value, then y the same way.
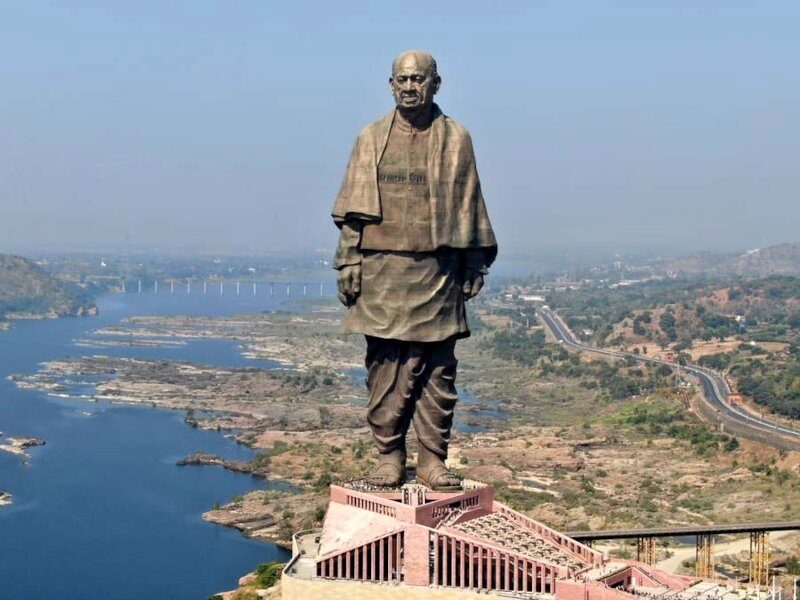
x: 390, y: 472
x: 438, y: 478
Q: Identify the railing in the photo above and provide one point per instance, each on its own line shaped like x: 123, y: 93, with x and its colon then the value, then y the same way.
x: 380, y: 560
x: 371, y: 505
x: 461, y: 563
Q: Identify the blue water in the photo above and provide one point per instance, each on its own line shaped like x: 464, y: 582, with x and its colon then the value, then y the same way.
x: 101, y: 511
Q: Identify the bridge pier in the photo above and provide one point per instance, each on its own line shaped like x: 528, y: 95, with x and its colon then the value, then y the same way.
x: 759, y: 557
x: 646, y: 549
x: 704, y: 555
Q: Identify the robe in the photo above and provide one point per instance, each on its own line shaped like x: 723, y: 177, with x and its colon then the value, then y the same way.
x: 412, y: 275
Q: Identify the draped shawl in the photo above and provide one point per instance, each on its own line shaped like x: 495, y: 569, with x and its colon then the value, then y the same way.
x: 458, y: 213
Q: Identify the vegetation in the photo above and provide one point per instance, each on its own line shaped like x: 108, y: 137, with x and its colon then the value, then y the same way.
x: 618, y: 379
x: 659, y: 417
x: 268, y: 574
x: 793, y: 565
x: 679, y: 315
x: 667, y: 312
x: 27, y: 288
x: 774, y: 384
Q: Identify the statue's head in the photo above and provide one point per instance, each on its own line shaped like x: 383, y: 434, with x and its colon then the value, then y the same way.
x: 414, y: 80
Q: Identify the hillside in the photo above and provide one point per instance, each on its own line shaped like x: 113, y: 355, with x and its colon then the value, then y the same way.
x: 748, y: 329
x: 783, y: 259
x: 27, y: 290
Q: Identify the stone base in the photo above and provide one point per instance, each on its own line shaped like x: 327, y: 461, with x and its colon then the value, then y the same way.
x: 413, y: 543
x: 326, y: 589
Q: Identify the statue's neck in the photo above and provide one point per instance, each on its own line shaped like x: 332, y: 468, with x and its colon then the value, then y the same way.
x: 415, y: 119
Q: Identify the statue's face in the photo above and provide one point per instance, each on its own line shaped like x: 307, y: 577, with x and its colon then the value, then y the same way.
x: 413, y: 82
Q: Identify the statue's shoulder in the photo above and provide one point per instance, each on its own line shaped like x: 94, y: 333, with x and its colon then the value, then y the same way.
x: 455, y: 130
x: 377, y: 128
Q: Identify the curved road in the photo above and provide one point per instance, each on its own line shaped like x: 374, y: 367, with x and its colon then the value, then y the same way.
x: 715, y: 388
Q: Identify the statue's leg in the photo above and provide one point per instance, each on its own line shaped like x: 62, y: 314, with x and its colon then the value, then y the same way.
x: 393, y: 370
x: 433, y: 415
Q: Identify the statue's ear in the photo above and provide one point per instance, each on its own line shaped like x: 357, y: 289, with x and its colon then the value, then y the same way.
x: 437, y: 83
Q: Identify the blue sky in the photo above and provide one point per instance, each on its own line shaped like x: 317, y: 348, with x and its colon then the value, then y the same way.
x: 667, y: 126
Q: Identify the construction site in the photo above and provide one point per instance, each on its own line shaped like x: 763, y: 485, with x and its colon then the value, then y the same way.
x: 414, y: 543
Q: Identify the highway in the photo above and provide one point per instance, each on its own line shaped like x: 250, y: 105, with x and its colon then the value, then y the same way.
x: 714, y: 386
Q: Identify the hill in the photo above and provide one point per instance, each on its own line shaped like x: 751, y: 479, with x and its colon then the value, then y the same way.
x: 27, y: 290
x: 749, y: 329
x: 783, y: 259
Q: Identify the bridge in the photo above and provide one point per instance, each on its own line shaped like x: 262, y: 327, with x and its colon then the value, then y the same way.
x: 221, y: 287
x: 704, y: 536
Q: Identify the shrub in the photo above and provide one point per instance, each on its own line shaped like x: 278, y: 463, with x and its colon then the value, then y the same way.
x: 268, y: 574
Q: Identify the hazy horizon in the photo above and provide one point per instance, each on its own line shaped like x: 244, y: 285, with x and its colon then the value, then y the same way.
x: 599, y: 127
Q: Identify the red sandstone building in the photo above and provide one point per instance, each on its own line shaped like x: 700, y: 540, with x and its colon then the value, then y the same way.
x: 413, y: 543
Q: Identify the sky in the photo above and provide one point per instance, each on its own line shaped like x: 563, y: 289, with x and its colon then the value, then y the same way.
x: 598, y: 126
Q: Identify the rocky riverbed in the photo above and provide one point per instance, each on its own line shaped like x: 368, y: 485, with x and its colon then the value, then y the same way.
x: 247, y: 400
x: 272, y: 336
x: 19, y: 445
x: 198, y: 459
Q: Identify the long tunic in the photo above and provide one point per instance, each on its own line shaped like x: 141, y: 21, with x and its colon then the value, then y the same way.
x: 413, y: 292
x: 411, y: 286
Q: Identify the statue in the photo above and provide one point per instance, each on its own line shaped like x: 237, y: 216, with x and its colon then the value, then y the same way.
x: 415, y: 244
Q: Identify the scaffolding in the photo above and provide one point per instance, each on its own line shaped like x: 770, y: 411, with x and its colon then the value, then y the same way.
x: 704, y: 556
x: 646, y: 549
x: 759, y: 557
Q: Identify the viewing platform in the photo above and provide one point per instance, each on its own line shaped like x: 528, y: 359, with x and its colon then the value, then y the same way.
x: 413, y: 543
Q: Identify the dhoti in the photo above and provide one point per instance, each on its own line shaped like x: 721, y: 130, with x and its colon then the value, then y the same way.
x: 411, y: 381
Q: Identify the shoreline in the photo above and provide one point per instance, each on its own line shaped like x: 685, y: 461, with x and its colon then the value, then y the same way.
x: 18, y: 445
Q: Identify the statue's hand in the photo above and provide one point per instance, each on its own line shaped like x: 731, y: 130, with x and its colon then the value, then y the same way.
x: 473, y: 282
x: 349, y: 284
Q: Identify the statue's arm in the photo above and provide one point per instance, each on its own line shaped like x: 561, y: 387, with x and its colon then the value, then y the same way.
x: 475, y: 267
x: 348, y: 262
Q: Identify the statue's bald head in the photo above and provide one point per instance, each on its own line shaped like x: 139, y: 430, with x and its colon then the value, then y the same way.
x: 414, y: 81
x: 417, y: 58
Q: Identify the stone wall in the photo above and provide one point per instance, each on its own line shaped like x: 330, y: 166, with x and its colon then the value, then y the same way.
x: 324, y: 589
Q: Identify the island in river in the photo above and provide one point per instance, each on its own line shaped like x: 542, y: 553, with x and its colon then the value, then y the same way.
x: 18, y: 445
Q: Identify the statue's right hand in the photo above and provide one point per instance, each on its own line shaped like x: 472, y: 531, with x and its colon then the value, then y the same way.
x: 349, y: 284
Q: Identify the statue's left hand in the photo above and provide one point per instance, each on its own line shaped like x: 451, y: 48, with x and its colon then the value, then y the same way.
x: 473, y: 282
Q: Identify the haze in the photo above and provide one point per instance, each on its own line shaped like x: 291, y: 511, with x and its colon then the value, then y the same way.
x: 196, y: 125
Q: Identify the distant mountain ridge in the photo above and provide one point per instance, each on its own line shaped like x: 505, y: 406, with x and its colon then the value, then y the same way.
x: 782, y: 259
x: 28, y: 291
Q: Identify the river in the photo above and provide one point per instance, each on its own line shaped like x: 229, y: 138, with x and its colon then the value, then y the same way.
x: 101, y: 511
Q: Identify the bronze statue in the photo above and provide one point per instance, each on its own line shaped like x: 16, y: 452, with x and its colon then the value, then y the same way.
x: 415, y: 244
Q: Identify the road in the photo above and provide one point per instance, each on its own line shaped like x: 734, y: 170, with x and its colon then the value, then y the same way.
x: 715, y: 388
